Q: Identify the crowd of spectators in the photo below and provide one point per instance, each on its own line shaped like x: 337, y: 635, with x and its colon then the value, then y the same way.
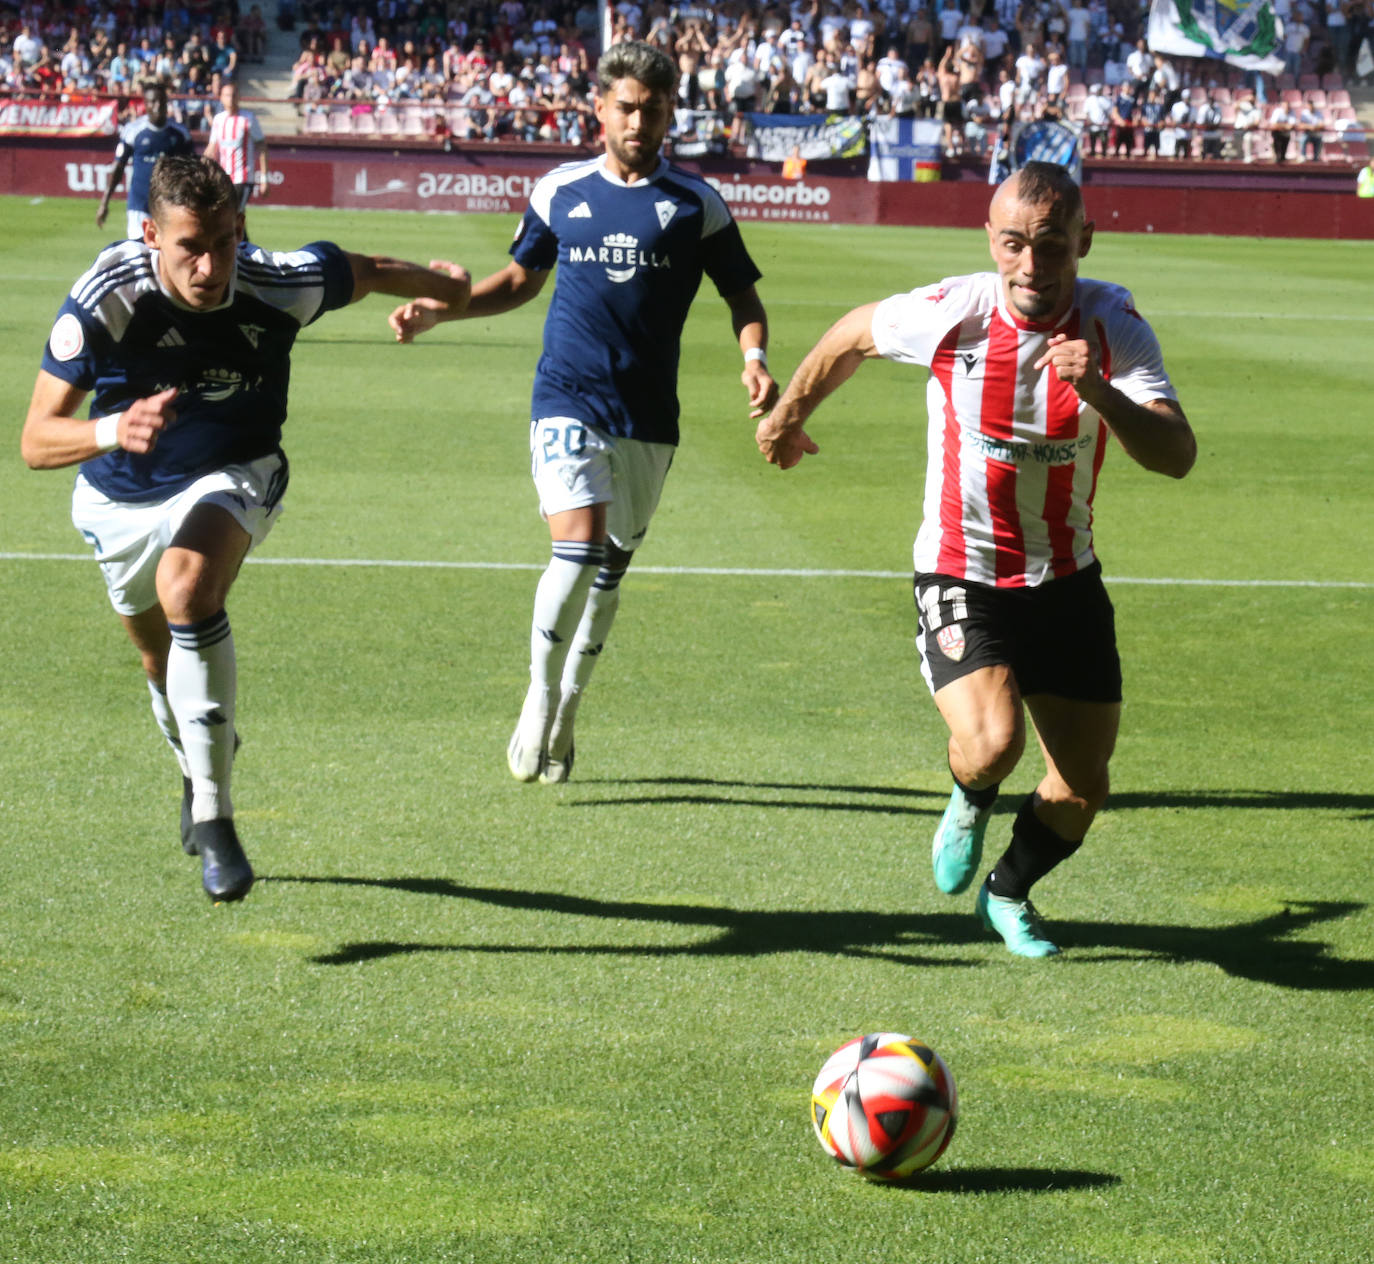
x: 524, y: 70
x: 79, y: 51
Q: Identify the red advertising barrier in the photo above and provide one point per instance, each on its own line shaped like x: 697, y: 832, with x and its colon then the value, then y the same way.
x: 38, y: 117
x: 430, y: 180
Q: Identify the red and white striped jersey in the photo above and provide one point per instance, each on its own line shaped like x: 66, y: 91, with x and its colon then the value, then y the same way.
x: 1012, y: 453
x: 236, y: 137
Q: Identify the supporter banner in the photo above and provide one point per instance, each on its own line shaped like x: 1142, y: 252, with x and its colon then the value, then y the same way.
x: 1047, y: 140
x: 905, y: 149
x: 773, y: 137
x: 57, y: 118
x: 1242, y: 33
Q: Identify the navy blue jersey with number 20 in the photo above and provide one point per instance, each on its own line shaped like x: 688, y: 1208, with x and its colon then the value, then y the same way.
x: 630, y: 258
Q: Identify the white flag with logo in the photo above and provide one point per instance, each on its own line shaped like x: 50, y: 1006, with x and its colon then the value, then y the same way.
x: 1242, y: 33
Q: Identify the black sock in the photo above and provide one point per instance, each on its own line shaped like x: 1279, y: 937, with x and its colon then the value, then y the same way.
x: 979, y: 798
x: 1035, y: 849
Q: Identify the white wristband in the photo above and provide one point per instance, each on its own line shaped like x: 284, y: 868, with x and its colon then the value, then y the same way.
x: 756, y: 353
x: 107, y: 432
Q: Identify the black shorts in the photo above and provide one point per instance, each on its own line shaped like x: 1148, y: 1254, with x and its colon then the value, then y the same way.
x: 953, y: 112
x: 1058, y: 638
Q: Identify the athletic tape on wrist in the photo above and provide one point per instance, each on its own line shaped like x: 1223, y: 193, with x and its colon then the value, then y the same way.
x: 756, y: 353
x: 107, y: 432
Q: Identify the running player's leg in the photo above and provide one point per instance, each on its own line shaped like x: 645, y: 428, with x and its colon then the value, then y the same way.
x: 151, y: 637
x: 571, y: 467
x: 966, y: 662
x: 1071, y: 677
x: 148, y: 632
x: 1077, y: 739
x: 577, y: 538
x: 639, y: 470
x: 603, y: 601
x: 194, y: 576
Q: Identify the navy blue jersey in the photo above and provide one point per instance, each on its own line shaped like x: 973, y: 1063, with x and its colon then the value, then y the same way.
x: 122, y: 336
x: 141, y: 145
x: 630, y: 259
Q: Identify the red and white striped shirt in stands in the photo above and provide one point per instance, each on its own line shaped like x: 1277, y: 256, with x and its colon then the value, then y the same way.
x: 236, y: 137
x: 1012, y: 452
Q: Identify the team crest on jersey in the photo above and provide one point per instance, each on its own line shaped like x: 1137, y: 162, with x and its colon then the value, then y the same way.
x: 217, y: 385
x: 252, y: 333
x: 666, y: 210
x: 950, y: 639
x: 621, y: 254
x: 66, y: 340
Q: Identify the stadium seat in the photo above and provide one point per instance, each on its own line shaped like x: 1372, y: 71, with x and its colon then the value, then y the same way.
x: 1338, y: 99
x: 316, y: 124
x: 1228, y: 114
x: 412, y: 123
x: 340, y: 123
x: 1287, y: 82
x: 388, y: 124
x: 1307, y: 82
x: 1197, y: 95
x: 1076, y: 92
x: 1291, y: 96
x: 1074, y: 110
x: 1316, y: 98
x: 364, y: 125
x: 1221, y: 96
x: 1333, y: 81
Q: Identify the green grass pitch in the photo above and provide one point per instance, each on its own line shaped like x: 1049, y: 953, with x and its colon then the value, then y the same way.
x: 461, y: 1019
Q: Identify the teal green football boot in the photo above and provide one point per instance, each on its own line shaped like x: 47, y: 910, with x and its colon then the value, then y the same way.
x: 1017, y: 922
x: 958, y: 845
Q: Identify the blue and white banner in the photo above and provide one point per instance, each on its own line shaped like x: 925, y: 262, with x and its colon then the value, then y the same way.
x: 1242, y: 33
x: 903, y: 148
x: 1047, y: 140
x: 773, y: 137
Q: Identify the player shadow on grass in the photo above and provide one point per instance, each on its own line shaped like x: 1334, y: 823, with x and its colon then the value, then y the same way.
x: 1361, y: 805
x: 1261, y: 950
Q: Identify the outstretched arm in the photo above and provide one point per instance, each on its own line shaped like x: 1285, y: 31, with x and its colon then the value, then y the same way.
x: 1155, y: 434
x: 54, y: 436
x: 444, y: 283
x: 828, y: 365
x: 121, y: 161
x: 750, y: 323
x: 500, y: 292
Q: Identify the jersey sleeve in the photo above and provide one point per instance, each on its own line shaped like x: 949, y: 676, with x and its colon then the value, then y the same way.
x: 1131, y: 353
x: 72, y: 350
x: 337, y: 276
x: 723, y: 255
x: 182, y: 146
x: 123, y: 148
x: 535, y: 247
x: 908, y: 327
x: 303, y: 283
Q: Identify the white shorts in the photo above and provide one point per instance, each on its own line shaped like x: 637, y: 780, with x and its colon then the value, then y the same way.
x: 133, y: 224
x: 129, y: 537
x: 574, y: 466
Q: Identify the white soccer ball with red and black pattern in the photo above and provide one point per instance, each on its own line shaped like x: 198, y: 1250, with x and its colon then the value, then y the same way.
x: 884, y: 1105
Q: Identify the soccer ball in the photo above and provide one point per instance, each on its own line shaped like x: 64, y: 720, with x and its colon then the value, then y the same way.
x: 884, y: 1105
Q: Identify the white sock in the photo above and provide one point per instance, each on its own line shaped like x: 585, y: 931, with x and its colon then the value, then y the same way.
x: 602, y: 603
x: 167, y: 724
x: 202, y: 681
x: 559, y: 601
